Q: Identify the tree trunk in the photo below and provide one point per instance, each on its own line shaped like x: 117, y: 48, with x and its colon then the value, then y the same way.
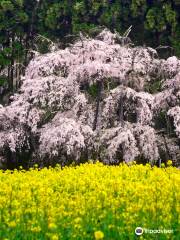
x: 99, y: 86
x: 29, y: 41
x: 11, y: 76
x: 120, y: 110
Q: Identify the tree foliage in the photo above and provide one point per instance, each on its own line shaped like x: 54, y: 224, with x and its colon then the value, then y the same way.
x: 55, y: 118
x: 153, y: 22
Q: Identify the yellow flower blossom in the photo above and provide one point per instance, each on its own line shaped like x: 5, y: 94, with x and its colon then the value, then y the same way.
x: 54, y: 237
x: 52, y: 226
x: 36, y: 229
x: 169, y: 163
x: 162, y: 165
x: 98, y: 235
x: 75, y: 202
x: 12, y: 224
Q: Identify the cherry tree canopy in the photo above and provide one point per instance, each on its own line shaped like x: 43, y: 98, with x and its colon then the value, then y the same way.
x: 94, y: 100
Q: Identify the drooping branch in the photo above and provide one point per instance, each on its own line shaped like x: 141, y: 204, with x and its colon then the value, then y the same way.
x: 55, y: 107
x: 99, y: 87
x: 120, y: 110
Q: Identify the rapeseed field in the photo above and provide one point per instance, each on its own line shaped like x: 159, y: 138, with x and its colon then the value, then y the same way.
x: 90, y: 201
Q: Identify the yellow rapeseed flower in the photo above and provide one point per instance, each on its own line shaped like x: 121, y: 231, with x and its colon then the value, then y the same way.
x: 52, y: 226
x: 94, y: 195
x: 54, y: 237
x: 98, y: 235
x: 12, y: 224
x: 162, y: 165
x: 169, y: 163
x: 35, y: 229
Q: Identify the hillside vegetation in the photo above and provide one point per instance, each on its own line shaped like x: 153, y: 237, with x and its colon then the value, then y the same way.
x: 28, y: 26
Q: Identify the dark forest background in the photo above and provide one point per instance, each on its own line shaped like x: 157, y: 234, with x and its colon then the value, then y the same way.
x: 31, y: 26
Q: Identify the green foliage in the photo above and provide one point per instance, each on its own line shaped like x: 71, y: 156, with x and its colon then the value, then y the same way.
x: 111, y: 17
x: 161, y: 120
x: 53, y: 15
x: 170, y: 15
x: 48, y: 115
x: 153, y: 22
x: 154, y: 87
x: 3, y: 80
x: 22, y: 17
x: 107, y: 86
x: 93, y: 90
x: 175, y: 41
x: 138, y: 7
x: 7, y: 5
x: 158, y: 18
